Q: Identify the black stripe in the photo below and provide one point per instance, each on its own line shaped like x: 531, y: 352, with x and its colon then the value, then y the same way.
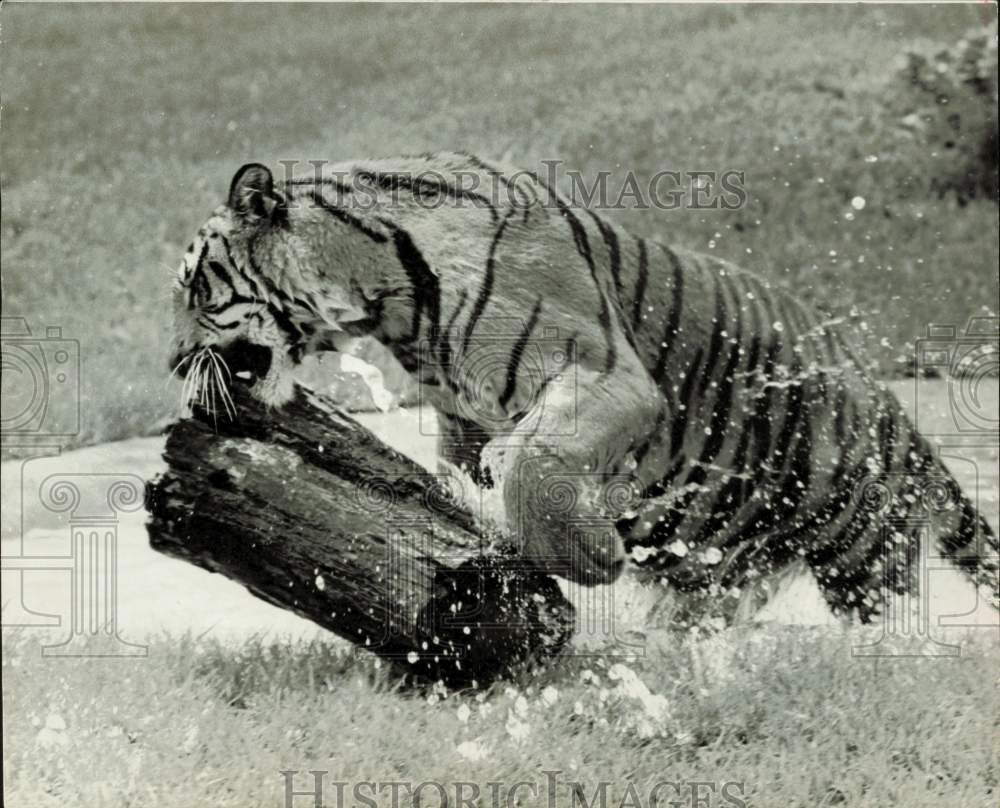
x: 842, y: 496
x: 716, y: 343
x: 724, y: 391
x: 426, y: 290
x: 284, y: 322
x: 975, y: 536
x: 887, y: 437
x: 582, y: 244
x: 756, y: 432
x: 615, y: 260
x: 347, y: 218
x: 674, y: 318
x: 273, y: 292
x: 732, y: 494
x: 199, y: 283
x: 463, y: 295
x: 220, y: 272
x: 333, y: 182
x: 281, y: 319
x: 570, y: 353
x: 763, y: 409
x: 711, y: 448
x: 807, y: 335
x: 226, y: 326
x: 513, y: 189
x: 751, y: 406
x: 614, y: 251
x: 831, y: 510
x: 251, y: 282
x: 864, y: 540
x: 516, y: 354
x: 723, y: 399
x: 918, y: 457
x: 487, y: 286
x: 735, y: 491
x: 640, y: 284
x: 840, y: 405
x: 424, y: 186
x: 679, y: 425
x: 797, y: 479
x: 234, y: 297
x: 793, y: 410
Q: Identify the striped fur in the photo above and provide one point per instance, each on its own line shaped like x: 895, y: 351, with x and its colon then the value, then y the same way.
x: 574, y: 365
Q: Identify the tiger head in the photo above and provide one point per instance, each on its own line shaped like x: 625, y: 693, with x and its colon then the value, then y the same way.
x: 259, y: 289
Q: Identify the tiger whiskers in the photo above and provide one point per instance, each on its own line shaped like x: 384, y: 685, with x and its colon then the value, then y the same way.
x: 219, y: 367
x: 207, y: 383
x: 176, y: 368
x: 197, y: 382
x: 193, y: 382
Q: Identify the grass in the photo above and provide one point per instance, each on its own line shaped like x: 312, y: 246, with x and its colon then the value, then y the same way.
x: 785, y: 714
x: 123, y: 125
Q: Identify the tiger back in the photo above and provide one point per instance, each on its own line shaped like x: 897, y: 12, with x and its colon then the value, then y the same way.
x: 618, y: 395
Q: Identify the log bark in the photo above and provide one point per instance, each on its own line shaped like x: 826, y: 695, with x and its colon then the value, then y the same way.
x: 312, y: 513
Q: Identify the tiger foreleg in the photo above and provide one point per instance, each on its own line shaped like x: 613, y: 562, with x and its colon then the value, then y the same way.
x: 567, y: 474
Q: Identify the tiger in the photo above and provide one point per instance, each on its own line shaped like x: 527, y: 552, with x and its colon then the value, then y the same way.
x: 626, y: 400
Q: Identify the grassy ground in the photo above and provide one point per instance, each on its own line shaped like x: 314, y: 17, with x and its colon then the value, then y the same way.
x: 122, y: 126
x: 786, y: 711
x: 786, y: 716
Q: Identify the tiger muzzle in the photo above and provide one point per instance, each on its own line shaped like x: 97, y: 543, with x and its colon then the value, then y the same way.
x: 244, y: 360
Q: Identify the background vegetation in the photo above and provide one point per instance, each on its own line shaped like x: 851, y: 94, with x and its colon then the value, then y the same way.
x: 123, y: 125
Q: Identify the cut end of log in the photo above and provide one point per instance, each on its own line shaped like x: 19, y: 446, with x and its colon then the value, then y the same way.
x: 311, y: 512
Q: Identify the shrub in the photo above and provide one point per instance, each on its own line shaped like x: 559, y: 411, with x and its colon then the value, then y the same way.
x: 944, y: 100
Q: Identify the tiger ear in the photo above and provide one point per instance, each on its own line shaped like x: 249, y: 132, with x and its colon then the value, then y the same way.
x: 252, y: 194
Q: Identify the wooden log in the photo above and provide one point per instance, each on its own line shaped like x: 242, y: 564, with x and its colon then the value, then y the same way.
x: 311, y: 512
